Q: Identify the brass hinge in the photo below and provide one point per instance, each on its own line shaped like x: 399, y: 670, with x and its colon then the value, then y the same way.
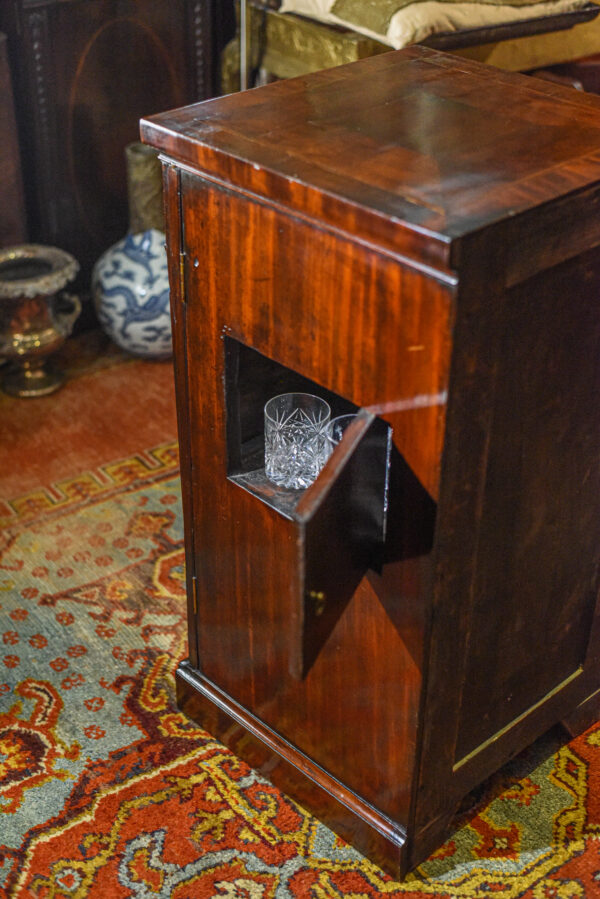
x: 195, y: 594
x: 182, y: 277
x: 318, y: 598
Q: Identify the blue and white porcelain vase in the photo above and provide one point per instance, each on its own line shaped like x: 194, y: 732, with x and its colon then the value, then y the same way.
x: 130, y: 281
x: 130, y: 284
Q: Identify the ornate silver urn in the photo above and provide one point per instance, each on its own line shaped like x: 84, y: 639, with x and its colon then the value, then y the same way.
x: 35, y: 317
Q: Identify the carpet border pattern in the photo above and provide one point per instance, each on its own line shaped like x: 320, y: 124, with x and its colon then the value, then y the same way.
x: 98, y: 483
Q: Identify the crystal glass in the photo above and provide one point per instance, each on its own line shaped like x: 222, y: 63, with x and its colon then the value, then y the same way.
x: 337, y: 426
x: 296, y: 439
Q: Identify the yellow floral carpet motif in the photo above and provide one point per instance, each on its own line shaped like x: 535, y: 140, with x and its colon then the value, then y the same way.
x: 106, y: 790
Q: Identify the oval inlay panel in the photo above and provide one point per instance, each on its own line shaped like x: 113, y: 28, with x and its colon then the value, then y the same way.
x: 125, y: 72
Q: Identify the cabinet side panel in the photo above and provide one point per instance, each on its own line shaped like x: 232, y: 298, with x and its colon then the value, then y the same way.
x: 362, y: 325
x: 536, y: 579
x: 515, y: 627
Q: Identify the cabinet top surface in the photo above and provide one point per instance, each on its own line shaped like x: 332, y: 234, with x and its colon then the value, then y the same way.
x: 438, y: 144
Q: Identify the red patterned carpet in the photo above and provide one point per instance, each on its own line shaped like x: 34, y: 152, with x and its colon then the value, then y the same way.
x: 106, y: 790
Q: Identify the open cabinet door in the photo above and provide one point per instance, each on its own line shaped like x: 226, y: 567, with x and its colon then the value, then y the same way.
x: 339, y: 527
x: 341, y: 522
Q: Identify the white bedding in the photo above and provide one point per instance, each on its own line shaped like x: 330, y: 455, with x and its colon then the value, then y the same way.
x: 402, y: 22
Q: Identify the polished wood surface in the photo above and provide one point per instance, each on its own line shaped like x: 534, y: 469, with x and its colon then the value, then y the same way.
x: 417, y: 237
x: 352, y: 159
x: 254, y: 589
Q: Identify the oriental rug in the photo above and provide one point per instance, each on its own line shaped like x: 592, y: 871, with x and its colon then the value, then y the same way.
x: 106, y: 790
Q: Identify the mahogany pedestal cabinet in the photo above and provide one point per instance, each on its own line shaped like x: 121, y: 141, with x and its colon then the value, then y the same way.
x: 416, y: 238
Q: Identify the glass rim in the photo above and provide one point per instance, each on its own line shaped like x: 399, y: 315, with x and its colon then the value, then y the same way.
x: 341, y: 423
x: 347, y: 415
x: 311, y: 396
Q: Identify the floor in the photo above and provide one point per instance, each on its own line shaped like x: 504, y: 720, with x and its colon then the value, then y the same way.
x: 111, y: 406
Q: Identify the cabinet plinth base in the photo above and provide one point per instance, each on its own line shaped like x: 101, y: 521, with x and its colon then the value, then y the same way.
x: 583, y: 716
x: 379, y: 838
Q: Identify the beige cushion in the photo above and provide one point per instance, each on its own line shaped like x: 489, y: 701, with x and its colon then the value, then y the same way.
x: 402, y: 22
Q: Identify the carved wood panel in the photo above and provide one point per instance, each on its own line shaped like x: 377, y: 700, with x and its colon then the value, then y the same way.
x: 85, y: 73
x: 12, y: 211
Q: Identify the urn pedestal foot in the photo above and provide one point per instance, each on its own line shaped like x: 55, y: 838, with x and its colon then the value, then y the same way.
x: 31, y: 379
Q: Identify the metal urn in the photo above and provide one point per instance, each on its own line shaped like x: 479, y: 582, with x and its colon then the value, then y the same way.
x: 35, y: 317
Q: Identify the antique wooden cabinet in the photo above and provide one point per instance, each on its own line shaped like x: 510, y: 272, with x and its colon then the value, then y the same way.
x: 417, y: 238
x: 84, y: 72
